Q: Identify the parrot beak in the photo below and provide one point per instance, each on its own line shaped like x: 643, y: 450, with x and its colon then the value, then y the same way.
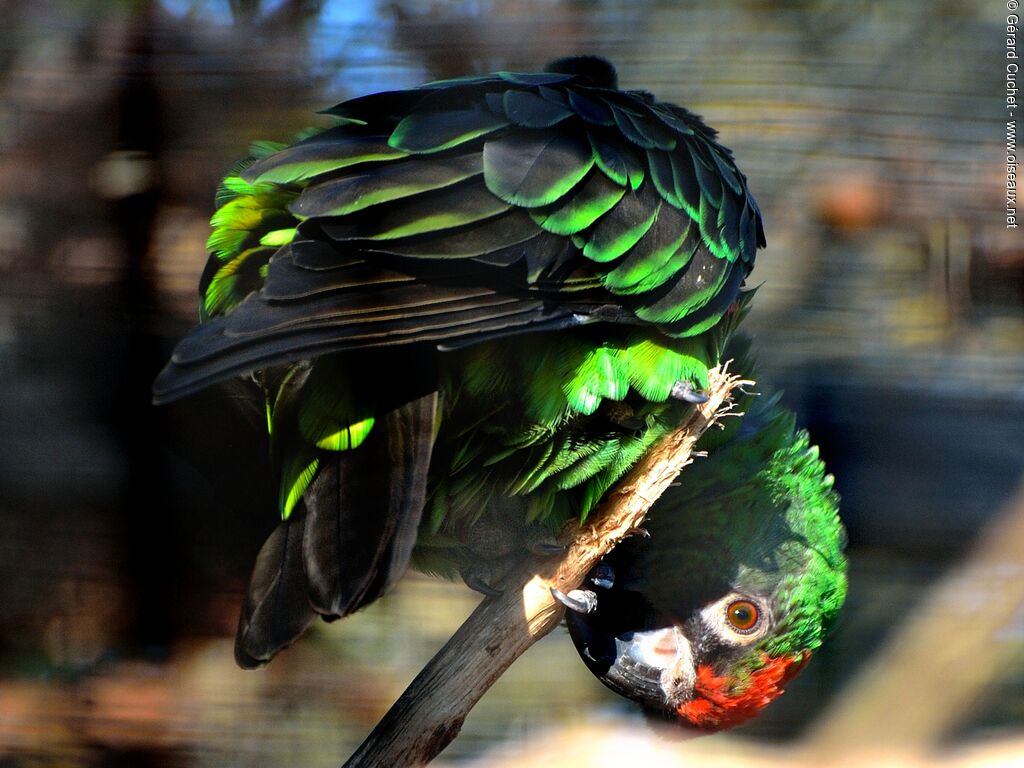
x: 652, y: 667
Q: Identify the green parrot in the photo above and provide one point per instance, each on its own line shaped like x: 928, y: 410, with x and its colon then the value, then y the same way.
x: 740, y: 577
x: 466, y: 310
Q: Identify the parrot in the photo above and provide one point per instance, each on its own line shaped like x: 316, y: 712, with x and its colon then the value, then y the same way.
x: 738, y: 579
x: 464, y: 311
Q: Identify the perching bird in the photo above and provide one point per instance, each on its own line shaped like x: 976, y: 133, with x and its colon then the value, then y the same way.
x: 468, y: 309
x: 741, y: 576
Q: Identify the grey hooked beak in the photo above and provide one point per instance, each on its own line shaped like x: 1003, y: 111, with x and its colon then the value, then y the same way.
x: 654, y: 667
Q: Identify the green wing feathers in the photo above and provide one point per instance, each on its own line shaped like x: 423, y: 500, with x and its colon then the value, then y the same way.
x: 502, y: 277
x: 575, y: 156
x: 252, y: 221
x: 552, y: 188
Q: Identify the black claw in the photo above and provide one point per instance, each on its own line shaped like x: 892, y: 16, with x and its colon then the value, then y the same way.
x: 479, y: 585
x: 579, y: 600
x: 547, y: 548
x: 683, y: 390
x: 602, y: 576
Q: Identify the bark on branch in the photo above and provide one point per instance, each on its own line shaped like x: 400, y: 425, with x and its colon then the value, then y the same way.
x: 430, y: 713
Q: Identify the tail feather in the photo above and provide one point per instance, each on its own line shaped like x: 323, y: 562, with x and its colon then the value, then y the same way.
x: 364, y: 509
x: 275, y: 611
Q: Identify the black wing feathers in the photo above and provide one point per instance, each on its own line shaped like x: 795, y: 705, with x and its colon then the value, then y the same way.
x: 466, y: 208
x: 393, y: 181
x: 363, y: 510
x: 348, y: 541
x: 275, y: 611
x: 434, y: 218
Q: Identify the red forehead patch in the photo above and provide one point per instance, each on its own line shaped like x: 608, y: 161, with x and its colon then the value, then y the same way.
x: 718, y: 703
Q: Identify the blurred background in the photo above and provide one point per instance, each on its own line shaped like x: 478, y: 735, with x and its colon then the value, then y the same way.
x: 892, y: 314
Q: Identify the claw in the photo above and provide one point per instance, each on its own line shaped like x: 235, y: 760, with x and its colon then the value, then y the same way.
x: 479, y: 585
x: 579, y: 600
x: 602, y: 576
x: 547, y: 548
x: 682, y: 390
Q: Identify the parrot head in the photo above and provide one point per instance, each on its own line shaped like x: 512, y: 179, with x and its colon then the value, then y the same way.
x: 741, y: 574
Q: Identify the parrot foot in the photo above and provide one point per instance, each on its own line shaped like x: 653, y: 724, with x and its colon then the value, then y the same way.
x: 579, y: 600
x: 683, y: 390
x: 477, y: 584
x: 622, y: 415
x: 585, y: 600
x: 480, y: 577
x: 547, y: 548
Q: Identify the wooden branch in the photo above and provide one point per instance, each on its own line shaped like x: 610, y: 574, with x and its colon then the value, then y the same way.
x: 429, y: 715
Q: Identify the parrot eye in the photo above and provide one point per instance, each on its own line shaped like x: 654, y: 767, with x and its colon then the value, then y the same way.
x: 738, y: 619
x: 742, y: 616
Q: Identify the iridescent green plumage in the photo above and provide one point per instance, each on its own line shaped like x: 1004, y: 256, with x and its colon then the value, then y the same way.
x: 605, y: 194
x: 514, y: 271
x: 755, y: 524
x: 569, y: 411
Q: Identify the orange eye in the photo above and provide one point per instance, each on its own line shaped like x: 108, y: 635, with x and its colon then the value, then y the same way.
x: 742, y: 615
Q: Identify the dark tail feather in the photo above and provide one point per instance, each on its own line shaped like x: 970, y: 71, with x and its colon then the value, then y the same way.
x: 275, y: 610
x: 364, y: 508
